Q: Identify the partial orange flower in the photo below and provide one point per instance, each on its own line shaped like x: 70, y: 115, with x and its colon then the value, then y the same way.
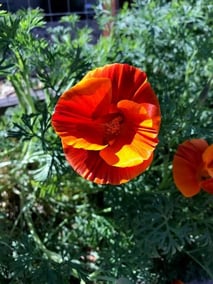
x: 193, y: 167
x: 108, y: 124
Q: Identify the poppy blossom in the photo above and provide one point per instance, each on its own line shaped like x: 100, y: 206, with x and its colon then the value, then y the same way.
x: 108, y: 124
x: 193, y: 167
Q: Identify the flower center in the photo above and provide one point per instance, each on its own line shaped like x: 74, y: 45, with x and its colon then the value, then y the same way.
x: 112, y: 128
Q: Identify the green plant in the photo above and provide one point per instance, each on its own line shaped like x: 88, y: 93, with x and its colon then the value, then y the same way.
x: 56, y: 227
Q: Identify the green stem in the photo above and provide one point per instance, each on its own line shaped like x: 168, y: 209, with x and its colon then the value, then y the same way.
x: 48, y: 253
x: 18, y: 91
x: 201, y: 265
x: 21, y: 84
x: 25, y: 209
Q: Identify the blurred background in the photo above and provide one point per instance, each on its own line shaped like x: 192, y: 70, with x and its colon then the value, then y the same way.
x: 53, y: 9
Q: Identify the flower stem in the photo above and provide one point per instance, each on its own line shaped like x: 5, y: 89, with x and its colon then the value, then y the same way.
x: 201, y: 265
x: 48, y: 253
x: 27, y: 216
x: 21, y: 83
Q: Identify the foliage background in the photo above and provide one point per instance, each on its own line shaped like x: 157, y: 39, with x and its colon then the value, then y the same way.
x: 56, y: 227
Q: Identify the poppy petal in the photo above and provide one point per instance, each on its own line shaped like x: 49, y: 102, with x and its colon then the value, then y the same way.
x: 185, y: 177
x: 187, y: 161
x: 145, y: 94
x: 92, y: 167
x: 139, y: 113
x: 76, y: 114
x: 126, y: 79
x: 207, y: 185
x: 208, y: 160
x: 127, y: 155
x: 87, y: 98
x: 81, y: 143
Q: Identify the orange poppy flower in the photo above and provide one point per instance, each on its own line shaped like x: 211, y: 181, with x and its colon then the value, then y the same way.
x: 108, y: 124
x: 193, y: 167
